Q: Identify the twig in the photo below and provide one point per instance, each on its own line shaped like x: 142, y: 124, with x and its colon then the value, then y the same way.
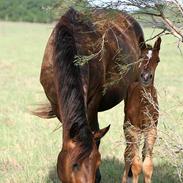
x: 157, y: 35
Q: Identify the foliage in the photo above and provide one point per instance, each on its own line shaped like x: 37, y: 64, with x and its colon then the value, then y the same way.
x: 164, y: 14
x: 27, y: 10
x: 37, y: 10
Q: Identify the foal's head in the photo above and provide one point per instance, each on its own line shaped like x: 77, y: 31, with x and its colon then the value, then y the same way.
x: 147, y: 66
x: 79, y: 159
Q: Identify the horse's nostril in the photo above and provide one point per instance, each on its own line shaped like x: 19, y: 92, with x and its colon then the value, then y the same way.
x: 150, y: 76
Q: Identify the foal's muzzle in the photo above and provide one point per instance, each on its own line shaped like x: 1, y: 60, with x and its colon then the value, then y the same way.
x: 146, y: 78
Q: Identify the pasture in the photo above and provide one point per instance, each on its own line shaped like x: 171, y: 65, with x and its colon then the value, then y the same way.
x: 29, y: 146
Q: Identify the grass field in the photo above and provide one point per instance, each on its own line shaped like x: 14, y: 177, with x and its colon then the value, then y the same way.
x: 29, y: 146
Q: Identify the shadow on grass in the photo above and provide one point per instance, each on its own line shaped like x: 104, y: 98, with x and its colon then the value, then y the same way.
x: 163, y: 173
x: 112, y: 170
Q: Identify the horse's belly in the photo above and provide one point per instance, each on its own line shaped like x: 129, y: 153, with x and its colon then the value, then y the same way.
x: 112, y: 97
x: 116, y: 92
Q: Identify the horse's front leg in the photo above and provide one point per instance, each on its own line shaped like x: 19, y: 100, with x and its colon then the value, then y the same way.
x: 150, y: 136
x: 93, y: 120
x: 133, y: 164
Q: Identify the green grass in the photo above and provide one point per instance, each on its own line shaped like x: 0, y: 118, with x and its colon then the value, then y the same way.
x: 28, y: 145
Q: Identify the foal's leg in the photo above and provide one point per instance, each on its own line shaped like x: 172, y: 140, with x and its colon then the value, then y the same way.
x: 150, y: 138
x: 133, y: 163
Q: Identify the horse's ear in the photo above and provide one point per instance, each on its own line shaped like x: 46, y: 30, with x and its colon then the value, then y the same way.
x: 157, y: 44
x: 100, y: 133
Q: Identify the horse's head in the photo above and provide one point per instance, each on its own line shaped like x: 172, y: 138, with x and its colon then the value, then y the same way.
x: 147, y: 66
x: 79, y: 159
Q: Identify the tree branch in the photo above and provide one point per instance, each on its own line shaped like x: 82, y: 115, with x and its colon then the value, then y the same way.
x: 157, y: 35
x: 172, y: 28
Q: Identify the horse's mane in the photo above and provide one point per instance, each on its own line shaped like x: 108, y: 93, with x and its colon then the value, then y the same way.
x: 69, y: 85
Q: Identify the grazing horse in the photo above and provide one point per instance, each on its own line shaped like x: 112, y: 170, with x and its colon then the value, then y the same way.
x: 83, y: 57
x: 141, y: 117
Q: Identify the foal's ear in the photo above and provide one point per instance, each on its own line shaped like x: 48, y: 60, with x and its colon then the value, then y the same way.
x: 157, y: 44
x: 100, y: 133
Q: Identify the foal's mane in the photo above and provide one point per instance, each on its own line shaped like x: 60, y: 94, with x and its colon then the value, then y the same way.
x: 69, y: 85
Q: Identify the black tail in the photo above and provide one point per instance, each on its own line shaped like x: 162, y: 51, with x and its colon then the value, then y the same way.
x: 70, y: 95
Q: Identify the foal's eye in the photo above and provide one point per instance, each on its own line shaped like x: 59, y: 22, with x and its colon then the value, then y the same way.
x: 75, y: 166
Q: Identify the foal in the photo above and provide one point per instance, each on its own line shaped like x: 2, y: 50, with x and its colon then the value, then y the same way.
x: 141, y: 118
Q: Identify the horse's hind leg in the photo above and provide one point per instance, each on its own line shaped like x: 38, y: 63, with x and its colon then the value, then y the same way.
x: 150, y: 138
x: 133, y: 163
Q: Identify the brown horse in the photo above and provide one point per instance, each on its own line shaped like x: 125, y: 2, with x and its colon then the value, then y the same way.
x: 105, y: 44
x: 141, y: 117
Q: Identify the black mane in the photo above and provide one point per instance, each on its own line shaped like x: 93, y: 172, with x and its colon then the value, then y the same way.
x: 69, y: 86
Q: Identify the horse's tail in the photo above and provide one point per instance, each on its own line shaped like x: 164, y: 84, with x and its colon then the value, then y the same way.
x: 43, y: 111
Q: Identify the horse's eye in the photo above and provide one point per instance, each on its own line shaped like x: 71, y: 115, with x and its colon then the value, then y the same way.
x: 75, y: 166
